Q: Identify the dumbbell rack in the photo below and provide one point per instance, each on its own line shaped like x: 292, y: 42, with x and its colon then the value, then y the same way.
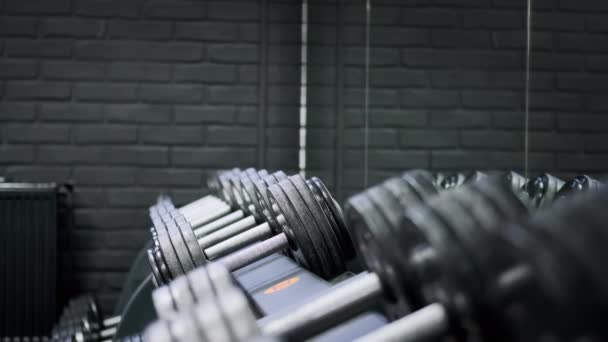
x: 274, y: 284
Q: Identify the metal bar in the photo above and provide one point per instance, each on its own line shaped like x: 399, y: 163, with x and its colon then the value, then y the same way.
x: 254, y: 253
x: 263, y: 85
x: 237, y: 242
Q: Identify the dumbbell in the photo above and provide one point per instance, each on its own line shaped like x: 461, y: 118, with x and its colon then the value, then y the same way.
x: 553, y: 285
x: 410, y: 189
x: 386, y: 249
x: 542, y: 189
x: 578, y: 184
x: 451, y: 181
x: 309, y: 227
x: 176, y: 251
x: 450, y: 224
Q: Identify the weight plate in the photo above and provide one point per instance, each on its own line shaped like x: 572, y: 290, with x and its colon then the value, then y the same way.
x: 163, y: 301
x: 333, y: 225
x: 342, y: 231
x: 179, y: 246
x: 202, y: 290
x: 379, y: 249
x: 238, y: 313
x: 306, y: 226
x: 421, y: 182
x: 443, y: 271
x: 262, y: 201
x: 404, y: 193
x: 466, y: 234
x: 196, y: 253
x: 162, y: 264
x: 246, y: 188
x: 182, y: 294
x: 333, y: 252
x: 211, y: 323
x: 503, y: 199
x: 302, y: 248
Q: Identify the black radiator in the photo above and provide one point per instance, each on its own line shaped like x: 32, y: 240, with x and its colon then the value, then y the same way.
x: 35, y: 220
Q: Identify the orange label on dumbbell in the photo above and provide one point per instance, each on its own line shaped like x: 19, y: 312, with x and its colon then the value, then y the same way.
x: 281, y: 285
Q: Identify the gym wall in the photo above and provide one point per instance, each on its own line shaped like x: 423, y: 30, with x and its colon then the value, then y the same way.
x: 130, y: 98
x: 447, y: 80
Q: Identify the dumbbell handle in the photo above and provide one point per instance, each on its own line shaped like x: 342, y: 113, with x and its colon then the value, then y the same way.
x: 427, y: 324
x: 255, y: 252
x: 233, y: 244
x: 226, y: 232
x: 219, y: 223
x: 340, y: 303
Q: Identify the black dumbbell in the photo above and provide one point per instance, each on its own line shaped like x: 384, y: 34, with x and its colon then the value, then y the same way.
x: 582, y: 183
x: 426, y: 260
x: 177, y: 251
x: 551, y: 284
x: 542, y: 189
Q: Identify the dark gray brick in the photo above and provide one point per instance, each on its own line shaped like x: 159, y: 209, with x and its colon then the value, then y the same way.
x: 71, y: 70
x: 226, y: 136
x: 106, y: 8
x: 138, y: 113
x: 283, y: 94
x: 582, y: 163
x: 284, y: 33
x: 227, y: 11
x: 136, y: 155
x: 470, y: 59
x: 111, y: 218
x: 389, y: 159
x: 143, y: 51
x: 168, y: 93
x: 37, y: 173
x: 576, y: 42
x: 72, y: 27
x: 555, y: 61
x: 111, y: 134
x: 89, y: 175
x: 205, y: 73
x: 170, y: 177
x: 16, y: 154
x: 164, y: 9
x: 377, y: 138
x: 516, y: 120
x: 70, y: 112
x: 17, y: 111
x: 232, y: 95
x: 562, y: 21
x: 37, y: 6
x: 460, y: 118
x: 583, y: 5
x: 496, y: 19
x: 105, y: 92
x: 393, y: 77
x: 377, y: 97
x: 429, y: 98
x: 555, y: 142
x: 205, y: 115
x: 318, y: 138
x: 283, y: 74
x: 131, y: 198
x: 572, y: 122
x: 146, y: 30
x: 282, y: 158
x: 248, y: 74
x: 491, y: 140
x: 211, y: 31
x: 468, y: 160
x: 554, y: 100
x: 460, y: 39
x: 36, y: 133
x: 388, y: 36
x: 516, y: 40
x: 38, y: 48
x: 281, y: 137
x: 69, y: 155
x: 576, y: 82
x: 593, y: 142
x: 454, y: 79
x: 171, y: 135
x: 428, y: 139
x: 249, y: 32
x: 89, y: 197
x: 35, y: 90
x: 125, y: 71
x: 596, y: 63
x: 391, y: 118
x: 18, y: 69
x: 492, y: 99
x: 432, y: 17
x: 213, y: 157
x: 241, y: 53
x: 19, y: 27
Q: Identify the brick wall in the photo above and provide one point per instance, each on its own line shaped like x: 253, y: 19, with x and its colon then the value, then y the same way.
x: 130, y: 98
x: 447, y: 87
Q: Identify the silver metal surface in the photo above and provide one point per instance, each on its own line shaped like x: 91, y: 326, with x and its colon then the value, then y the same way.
x: 218, y: 223
x: 239, y: 241
x: 226, y: 232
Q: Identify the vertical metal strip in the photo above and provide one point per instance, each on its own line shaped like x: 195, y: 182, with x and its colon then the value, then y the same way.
x: 339, y: 173
x: 263, y: 85
x: 366, y: 96
x: 527, y: 90
x: 303, y: 88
